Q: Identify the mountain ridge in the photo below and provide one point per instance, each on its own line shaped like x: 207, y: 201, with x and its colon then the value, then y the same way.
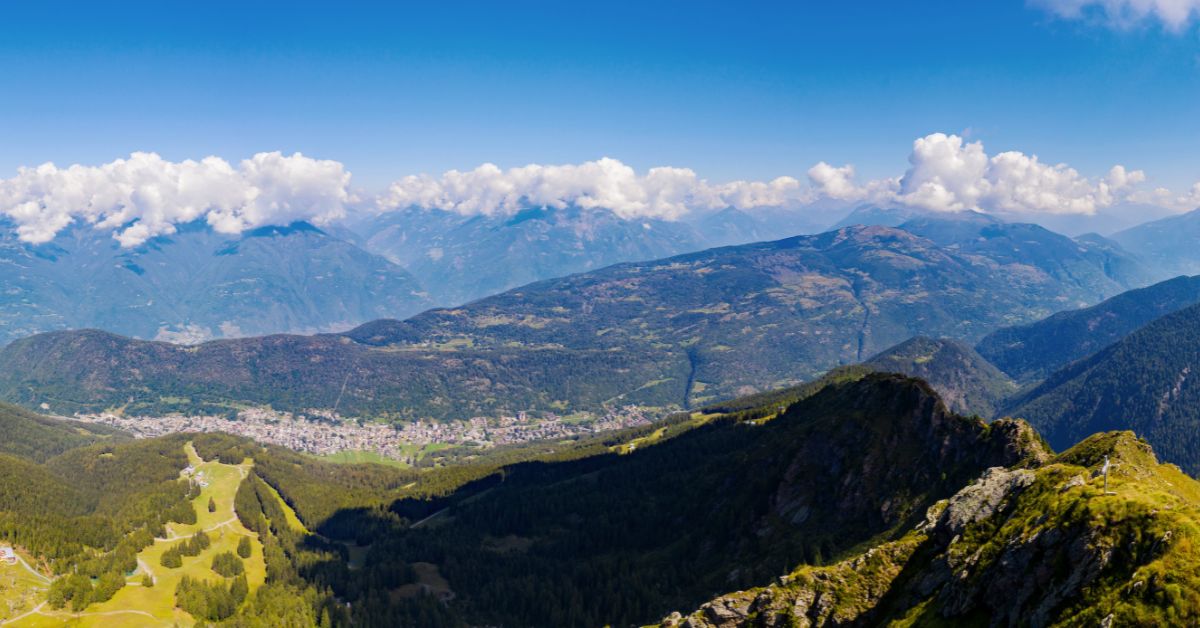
x: 1032, y: 351
x: 1143, y: 382
x: 197, y: 284
x: 670, y: 333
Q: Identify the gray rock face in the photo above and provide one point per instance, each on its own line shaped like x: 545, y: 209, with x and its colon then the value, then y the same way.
x: 981, y: 500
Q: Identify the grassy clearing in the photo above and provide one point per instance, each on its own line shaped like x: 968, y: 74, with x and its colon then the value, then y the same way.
x: 290, y: 515
x: 429, y: 582
x: 139, y: 606
x: 20, y: 591
x: 359, y: 457
x: 407, y: 452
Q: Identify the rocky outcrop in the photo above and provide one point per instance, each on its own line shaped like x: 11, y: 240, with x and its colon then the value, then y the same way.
x: 1017, y: 547
x: 980, y: 500
x: 886, y: 444
x: 847, y: 593
x: 838, y: 595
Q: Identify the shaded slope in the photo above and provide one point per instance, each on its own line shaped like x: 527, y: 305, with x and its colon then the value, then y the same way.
x: 1031, y: 352
x: 36, y: 437
x: 1146, y: 382
x: 724, y: 505
x: 967, y: 382
x: 1044, y: 547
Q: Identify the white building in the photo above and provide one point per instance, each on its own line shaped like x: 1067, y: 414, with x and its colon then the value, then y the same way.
x: 7, y: 555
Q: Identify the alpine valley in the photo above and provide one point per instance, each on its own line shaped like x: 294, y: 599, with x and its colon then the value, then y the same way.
x: 600, y: 315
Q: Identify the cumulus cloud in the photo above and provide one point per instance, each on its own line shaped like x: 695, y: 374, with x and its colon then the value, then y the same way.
x: 1162, y: 197
x: 836, y: 183
x: 665, y: 193
x: 145, y: 195
x: 947, y: 173
x: 1175, y: 15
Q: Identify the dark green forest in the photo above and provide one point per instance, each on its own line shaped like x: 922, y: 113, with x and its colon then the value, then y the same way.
x: 1147, y: 382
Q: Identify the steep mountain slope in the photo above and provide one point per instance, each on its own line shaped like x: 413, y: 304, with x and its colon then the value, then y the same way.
x: 1146, y: 382
x: 877, y: 216
x: 1031, y: 352
x: 732, y: 226
x: 30, y: 299
x: 197, y: 284
x: 1169, y: 244
x: 726, y: 505
x: 1041, y: 547
x: 36, y: 437
x: 1084, y: 267
x: 462, y: 258
x: 671, y: 333
x: 967, y: 382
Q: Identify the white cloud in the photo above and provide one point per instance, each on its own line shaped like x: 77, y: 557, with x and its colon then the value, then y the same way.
x: 836, y: 183
x: 665, y: 192
x: 144, y: 196
x: 1162, y: 197
x: 948, y: 174
x: 1175, y: 15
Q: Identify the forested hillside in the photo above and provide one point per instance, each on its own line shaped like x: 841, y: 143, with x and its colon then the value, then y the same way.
x: 1033, y: 351
x: 30, y: 435
x: 967, y: 383
x: 89, y: 510
x: 1146, y: 382
x: 674, y: 333
x: 1054, y: 545
x: 733, y: 502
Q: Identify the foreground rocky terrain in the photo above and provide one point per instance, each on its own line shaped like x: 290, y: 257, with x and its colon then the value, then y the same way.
x: 1039, y: 544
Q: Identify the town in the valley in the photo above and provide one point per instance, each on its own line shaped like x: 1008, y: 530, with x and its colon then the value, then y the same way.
x: 323, y: 433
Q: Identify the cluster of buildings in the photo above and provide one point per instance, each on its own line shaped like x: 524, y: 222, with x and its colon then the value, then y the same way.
x: 192, y: 474
x: 325, y: 433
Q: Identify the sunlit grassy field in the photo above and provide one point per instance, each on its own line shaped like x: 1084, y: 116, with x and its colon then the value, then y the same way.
x: 136, y: 605
x: 20, y: 591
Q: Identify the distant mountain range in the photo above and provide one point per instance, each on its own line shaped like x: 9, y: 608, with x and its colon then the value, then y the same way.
x: 670, y: 333
x: 198, y: 284
x: 462, y: 258
x: 1169, y: 245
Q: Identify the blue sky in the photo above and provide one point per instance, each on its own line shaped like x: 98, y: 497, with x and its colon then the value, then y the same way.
x: 732, y: 90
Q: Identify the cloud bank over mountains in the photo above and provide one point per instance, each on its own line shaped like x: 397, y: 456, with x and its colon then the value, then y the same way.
x: 145, y: 195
